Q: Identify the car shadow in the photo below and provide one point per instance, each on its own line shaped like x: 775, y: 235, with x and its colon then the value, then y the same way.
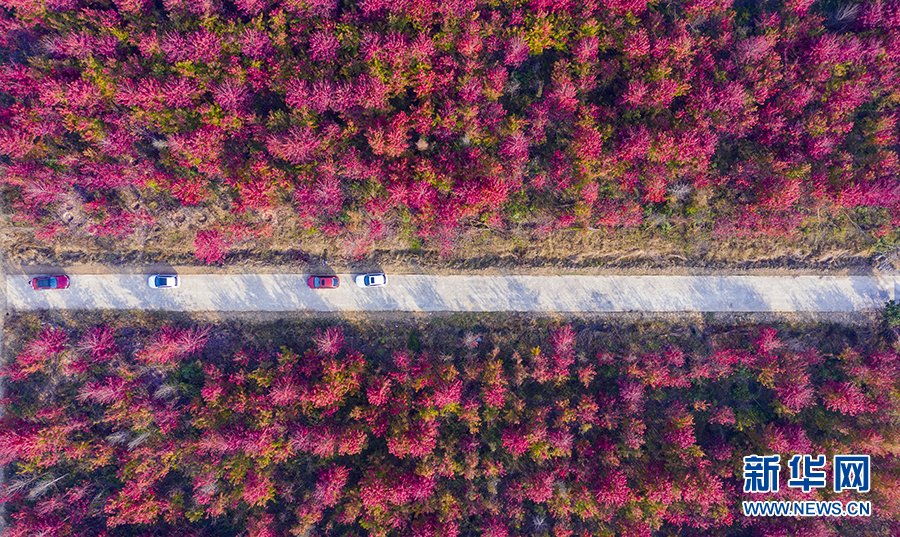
x: 157, y: 268
x: 320, y: 270
x: 318, y: 266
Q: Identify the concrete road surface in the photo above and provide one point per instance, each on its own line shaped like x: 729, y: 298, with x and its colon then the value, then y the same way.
x: 289, y: 292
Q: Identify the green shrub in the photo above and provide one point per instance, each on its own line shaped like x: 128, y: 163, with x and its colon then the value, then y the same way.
x: 891, y: 313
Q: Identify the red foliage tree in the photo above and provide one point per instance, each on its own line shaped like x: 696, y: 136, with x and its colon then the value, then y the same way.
x: 563, y: 341
x: 329, y: 342
x: 211, y: 246
x: 330, y: 484
x: 285, y: 393
x: 515, y: 441
x: 323, y: 46
x: 516, y: 52
x: 417, y: 440
x: 846, y: 398
x: 379, y: 392
x: 108, y: 391
x: 257, y: 489
x: 173, y: 344
x: 298, y: 145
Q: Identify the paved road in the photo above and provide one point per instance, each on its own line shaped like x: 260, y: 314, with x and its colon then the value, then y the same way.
x: 288, y: 292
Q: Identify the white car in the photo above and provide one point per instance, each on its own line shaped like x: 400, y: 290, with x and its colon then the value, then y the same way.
x: 164, y: 281
x: 375, y: 279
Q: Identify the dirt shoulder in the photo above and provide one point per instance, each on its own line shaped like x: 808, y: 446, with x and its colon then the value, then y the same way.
x: 439, y: 332
x: 848, y: 267
x: 479, y: 252
x: 319, y: 259
x: 869, y: 320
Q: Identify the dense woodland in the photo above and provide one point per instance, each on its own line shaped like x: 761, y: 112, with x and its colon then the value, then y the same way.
x: 182, y: 430
x: 427, y: 119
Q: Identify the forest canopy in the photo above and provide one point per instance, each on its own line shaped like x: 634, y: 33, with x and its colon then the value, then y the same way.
x: 535, y: 428
x: 373, y: 120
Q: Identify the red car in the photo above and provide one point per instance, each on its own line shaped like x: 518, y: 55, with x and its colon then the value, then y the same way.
x: 323, y: 282
x: 56, y: 281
